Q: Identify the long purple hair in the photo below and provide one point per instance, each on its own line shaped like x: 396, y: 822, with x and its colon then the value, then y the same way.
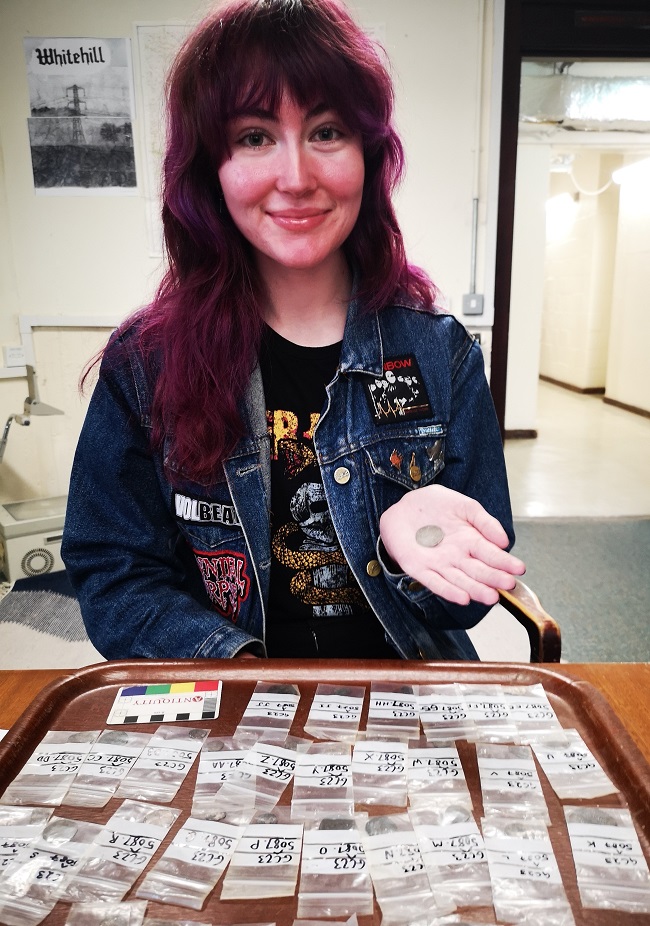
x: 206, y: 318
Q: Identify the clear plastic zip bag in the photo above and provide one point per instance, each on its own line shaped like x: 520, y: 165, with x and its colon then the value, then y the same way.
x: 401, y: 883
x: 530, y: 710
x: 526, y: 880
x: 453, y: 851
x: 334, y: 876
x: 509, y: 781
x: 219, y: 762
x: 351, y: 921
x: 443, y: 713
x: 270, y: 712
x: 393, y: 711
x: 51, y: 769
x: 38, y: 875
x: 335, y: 713
x: 121, y: 851
x: 487, y: 708
x: 163, y: 765
x: 611, y: 868
x: 434, y: 769
x: 124, y: 913
x: 191, y: 866
x: 571, y: 768
x: 322, y: 784
x: 107, y: 763
x: 267, y: 858
x: 262, y: 777
x: 379, y: 771
x: 458, y: 919
x: 20, y: 827
x: 161, y: 921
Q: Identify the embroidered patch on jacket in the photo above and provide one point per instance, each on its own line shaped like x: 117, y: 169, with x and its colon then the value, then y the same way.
x: 197, y: 511
x: 400, y: 393
x: 225, y: 579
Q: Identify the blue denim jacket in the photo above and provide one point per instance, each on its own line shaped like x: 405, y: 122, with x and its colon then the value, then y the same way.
x: 182, y: 570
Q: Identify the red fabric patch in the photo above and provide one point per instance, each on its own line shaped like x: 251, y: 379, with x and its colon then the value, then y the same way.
x: 225, y: 579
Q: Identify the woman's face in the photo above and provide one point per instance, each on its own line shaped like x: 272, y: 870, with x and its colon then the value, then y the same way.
x: 293, y: 184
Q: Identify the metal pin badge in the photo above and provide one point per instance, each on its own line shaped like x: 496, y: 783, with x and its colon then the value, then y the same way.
x: 414, y: 470
x: 434, y: 450
x: 396, y: 460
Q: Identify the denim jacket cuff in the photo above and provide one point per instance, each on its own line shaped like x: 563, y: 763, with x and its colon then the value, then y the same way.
x: 394, y: 574
x: 386, y: 562
x: 226, y: 645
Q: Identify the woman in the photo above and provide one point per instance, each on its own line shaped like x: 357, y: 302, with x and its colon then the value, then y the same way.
x: 290, y: 452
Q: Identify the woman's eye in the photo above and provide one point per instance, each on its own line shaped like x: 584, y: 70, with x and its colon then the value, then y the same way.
x: 327, y: 133
x: 253, y: 139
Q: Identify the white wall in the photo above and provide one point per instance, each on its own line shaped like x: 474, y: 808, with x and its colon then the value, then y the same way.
x: 627, y: 367
x: 88, y: 255
x: 579, y: 276
x: 527, y: 287
x: 592, y: 280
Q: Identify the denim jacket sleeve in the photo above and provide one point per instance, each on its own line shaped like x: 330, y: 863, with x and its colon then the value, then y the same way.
x: 474, y: 465
x: 127, y: 562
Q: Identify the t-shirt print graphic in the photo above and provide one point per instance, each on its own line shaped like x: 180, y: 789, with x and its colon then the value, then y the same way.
x: 306, y: 542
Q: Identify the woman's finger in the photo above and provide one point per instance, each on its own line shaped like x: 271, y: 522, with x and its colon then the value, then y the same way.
x: 486, y: 575
x: 440, y: 585
x: 483, y: 551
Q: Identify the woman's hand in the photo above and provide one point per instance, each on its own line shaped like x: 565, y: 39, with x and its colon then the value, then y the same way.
x: 470, y: 562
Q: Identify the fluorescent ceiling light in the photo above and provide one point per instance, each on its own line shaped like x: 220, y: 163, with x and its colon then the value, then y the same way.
x: 561, y: 212
x: 640, y: 170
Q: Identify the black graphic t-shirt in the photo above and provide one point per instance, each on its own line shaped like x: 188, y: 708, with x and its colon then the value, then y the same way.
x: 316, y: 607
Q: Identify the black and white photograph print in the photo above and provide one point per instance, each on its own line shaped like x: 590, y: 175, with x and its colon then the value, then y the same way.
x: 81, y: 106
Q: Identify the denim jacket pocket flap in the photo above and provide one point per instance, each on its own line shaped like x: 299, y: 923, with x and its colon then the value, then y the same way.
x: 411, y: 461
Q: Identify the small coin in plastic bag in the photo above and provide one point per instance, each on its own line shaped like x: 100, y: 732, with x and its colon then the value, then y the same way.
x: 377, y: 826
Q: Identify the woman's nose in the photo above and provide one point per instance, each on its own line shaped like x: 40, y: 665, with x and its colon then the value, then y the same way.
x: 295, y: 171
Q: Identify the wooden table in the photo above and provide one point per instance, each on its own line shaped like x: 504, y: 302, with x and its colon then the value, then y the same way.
x: 625, y: 685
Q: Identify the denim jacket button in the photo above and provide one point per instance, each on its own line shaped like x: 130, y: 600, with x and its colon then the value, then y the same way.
x: 342, y: 475
x: 415, y: 586
x: 373, y: 568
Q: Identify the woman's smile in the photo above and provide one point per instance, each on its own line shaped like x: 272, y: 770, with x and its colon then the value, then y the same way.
x: 299, y: 219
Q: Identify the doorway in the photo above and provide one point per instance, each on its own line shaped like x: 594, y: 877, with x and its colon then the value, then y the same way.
x: 582, y: 212
x: 552, y: 30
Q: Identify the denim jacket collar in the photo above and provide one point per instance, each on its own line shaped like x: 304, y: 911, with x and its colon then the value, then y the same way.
x: 362, y: 349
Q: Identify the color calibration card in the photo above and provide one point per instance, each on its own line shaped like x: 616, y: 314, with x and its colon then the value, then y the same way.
x: 166, y: 702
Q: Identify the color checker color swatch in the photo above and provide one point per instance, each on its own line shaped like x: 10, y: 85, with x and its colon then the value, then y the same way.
x: 171, y: 702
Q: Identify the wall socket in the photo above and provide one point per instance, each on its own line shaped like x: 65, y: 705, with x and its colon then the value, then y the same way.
x: 14, y: 356
x: 472, y: 304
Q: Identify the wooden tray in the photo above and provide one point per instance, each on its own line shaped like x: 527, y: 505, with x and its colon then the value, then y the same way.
x: 82, y: 701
